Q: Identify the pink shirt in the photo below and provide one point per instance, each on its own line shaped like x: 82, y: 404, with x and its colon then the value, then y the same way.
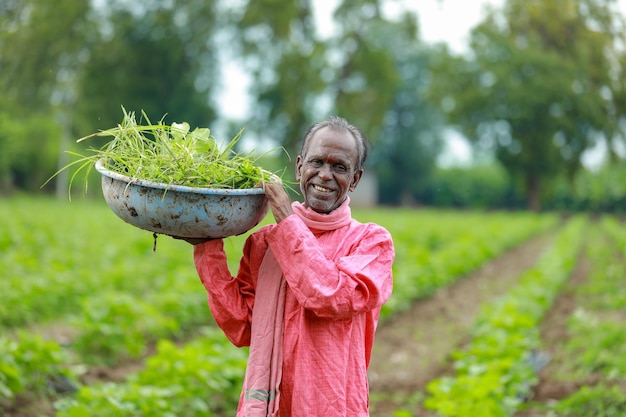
x: 337, y: 282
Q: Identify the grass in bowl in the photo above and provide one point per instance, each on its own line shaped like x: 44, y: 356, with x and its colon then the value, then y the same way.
x: 171, y: 154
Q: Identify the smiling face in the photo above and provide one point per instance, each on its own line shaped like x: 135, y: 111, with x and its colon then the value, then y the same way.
x: 327, y: 169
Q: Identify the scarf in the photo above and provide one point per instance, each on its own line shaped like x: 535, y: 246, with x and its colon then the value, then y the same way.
x: 318, y: 222
x: 261, y: 396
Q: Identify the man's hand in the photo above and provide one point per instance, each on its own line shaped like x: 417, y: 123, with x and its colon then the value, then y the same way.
x: 279, y: 200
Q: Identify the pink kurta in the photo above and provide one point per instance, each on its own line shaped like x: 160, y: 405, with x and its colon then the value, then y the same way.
x: 337, y: 281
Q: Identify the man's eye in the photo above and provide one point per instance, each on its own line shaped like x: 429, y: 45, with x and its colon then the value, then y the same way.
x: 315, y: 162
x: 340, y: 168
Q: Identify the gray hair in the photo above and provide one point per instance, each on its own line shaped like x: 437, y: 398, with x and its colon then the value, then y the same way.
x: 340, y: 124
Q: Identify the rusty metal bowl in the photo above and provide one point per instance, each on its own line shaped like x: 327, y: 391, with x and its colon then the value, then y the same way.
x: 182, y: 211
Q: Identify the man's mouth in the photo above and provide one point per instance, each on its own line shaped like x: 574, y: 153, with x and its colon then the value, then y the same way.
x: 322, y: 189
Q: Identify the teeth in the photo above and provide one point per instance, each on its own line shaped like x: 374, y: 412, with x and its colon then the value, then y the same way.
x: 322, y: 189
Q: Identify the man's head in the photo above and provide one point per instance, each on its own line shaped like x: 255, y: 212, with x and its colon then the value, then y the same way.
x: 330, y: 163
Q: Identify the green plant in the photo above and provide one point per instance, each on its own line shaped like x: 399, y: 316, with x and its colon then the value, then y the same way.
x: 597, y: 401
x: 201, y: 379
x: 28, y: 362
x: 116, y: 325
x: 494, y: 373
x: 171, y: 154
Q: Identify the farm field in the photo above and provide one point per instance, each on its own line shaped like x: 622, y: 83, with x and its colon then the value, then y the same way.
x: 509, y: 314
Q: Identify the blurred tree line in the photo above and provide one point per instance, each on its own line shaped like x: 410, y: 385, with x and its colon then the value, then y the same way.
x: 541, y: 84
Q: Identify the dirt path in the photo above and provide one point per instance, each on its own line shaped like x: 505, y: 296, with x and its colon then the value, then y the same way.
x: 413, y: 347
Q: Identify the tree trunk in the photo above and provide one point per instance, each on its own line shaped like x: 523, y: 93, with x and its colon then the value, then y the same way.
x: 62, y: 180
x: 533, y: 192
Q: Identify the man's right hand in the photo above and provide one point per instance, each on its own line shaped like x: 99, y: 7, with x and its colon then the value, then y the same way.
x: 278, y: 199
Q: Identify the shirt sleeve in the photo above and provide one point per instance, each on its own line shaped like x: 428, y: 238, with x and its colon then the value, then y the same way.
x: 338, y: 288
x: 230, y: 298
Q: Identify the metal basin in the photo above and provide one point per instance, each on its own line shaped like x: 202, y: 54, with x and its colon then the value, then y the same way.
x: 180, y: 210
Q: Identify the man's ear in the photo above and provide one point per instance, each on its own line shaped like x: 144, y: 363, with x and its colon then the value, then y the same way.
x: 298, y: 167
x: 355, y: 179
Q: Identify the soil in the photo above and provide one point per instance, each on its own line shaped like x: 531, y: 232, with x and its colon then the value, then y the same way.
x: 413, y: 347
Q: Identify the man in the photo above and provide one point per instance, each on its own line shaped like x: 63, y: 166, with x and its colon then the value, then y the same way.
x: 309, y: 289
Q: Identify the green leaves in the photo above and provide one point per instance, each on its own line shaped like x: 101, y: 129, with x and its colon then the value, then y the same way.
x: 117, y: 326
x: 27, y: 362
x: 539, y: 87
x: 202, y: 378
x: 172, y: 155
x: 494, y: 373
x: 597, y: 401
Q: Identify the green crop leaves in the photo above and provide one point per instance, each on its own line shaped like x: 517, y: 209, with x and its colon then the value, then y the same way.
x: 494, y: 373
x: 442, y: 247
x: 598, y: 401
x: 117, y: 325
x: 28, y: 362
x: 200, y: 379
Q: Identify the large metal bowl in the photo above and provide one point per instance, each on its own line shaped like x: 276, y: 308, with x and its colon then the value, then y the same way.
x: 181, y: 210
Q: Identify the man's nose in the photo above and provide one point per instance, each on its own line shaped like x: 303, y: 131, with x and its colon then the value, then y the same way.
x: 325, y: 172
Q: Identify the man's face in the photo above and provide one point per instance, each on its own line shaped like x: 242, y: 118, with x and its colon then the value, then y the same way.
x: 327, y: 170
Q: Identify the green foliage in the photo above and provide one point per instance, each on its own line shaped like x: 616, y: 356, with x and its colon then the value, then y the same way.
x: 50, y: 260
x: 489, y: 186
x: 202, y: 378
x: 481, y: 186
x: 596, y: 401
x: 84, y: 62
x: 535, y: 87
x: 603, y: 353
x: 411, y: 136
x: 600, y: 191
x: 155, y: 56
x: 597, y: 342
x: 27, y: 363
x: 27, y: 149
x: 172, y: 155
x: 494, y: 373
x: 441, y: 247
x: 55, y: 34
x: 116, y: 326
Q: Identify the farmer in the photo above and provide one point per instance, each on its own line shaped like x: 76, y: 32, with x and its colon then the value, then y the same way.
x: 309, y: 289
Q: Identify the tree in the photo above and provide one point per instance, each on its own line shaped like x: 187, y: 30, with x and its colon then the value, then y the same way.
x: 542, y: 85
x: 370, y: 70
x: 300, y: 76
x: 41, y: 46
x: 279, y: 48
x: 411, y: 135
x: 155, y: 58
x: 75, y: 66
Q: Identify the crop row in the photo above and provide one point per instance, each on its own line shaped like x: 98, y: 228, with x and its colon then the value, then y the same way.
x: 54, y: 256
x: 464, y: 243
x: 595, y: 348
x: 119, y: 297
x: 202, y: 378
x: 494, y: 373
